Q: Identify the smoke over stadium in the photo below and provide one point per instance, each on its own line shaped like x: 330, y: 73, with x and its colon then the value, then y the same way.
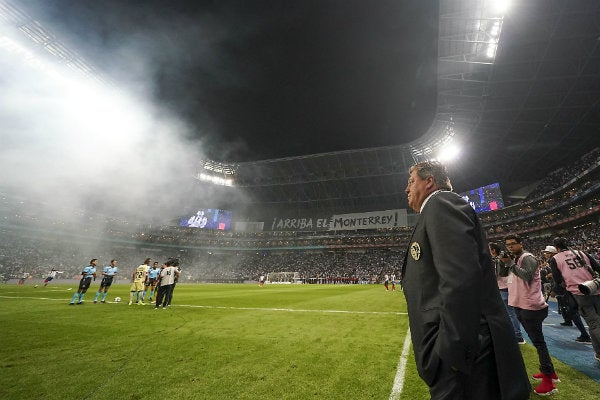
x: 72, y: 140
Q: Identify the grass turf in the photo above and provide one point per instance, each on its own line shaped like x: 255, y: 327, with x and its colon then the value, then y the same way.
x: 216, y: 342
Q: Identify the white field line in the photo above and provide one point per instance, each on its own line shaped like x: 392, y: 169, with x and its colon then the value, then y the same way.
x: 32, y: 298
x: 399, y: 379
x: 43, y: 290
x: 296, y: 310
x: 235, y: 308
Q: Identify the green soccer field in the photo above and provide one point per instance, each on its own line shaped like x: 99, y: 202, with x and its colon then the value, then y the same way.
x: 218, y: 342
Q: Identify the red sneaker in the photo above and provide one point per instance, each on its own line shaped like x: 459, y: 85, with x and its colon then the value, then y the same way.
x: 547, y: 387
x: 541, y: 375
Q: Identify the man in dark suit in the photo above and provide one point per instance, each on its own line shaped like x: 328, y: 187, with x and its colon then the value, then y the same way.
x: 464, y: 343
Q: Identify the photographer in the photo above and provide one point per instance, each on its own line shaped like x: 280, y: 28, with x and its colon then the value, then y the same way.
x: 502, y: 273
x: 571, y: 268
x: 567, y: 306
x: 525, y: 295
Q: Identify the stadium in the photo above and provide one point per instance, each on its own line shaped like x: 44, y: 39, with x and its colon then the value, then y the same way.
x: 92, y: 168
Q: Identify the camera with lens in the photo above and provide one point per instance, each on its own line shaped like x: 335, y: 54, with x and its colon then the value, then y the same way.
x: 503, y: 254
x: 589, y: 287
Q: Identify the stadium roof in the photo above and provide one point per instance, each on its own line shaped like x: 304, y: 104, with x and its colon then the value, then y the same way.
x: 517, y: 92
x: 532, y: 109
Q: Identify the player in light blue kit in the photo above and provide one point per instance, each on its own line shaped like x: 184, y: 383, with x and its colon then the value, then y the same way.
x: 151, y: 281
x: 108, y: 274
x: 87, y: 274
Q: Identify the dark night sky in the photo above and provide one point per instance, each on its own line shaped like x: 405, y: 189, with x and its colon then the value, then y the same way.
x: 267, y: 79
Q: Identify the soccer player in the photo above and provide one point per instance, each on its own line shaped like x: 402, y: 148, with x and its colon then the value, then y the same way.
x: 87, y: 274
x: 51, y: 275
x: 137, y: 282
x: 23, y: 278
x: 108, y: 274
x: 151, y: 280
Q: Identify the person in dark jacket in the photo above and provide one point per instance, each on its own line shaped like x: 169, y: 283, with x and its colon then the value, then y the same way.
x: 464, y: 344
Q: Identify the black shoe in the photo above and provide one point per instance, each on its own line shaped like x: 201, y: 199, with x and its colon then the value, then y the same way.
x: 584, y: 339
x: 567, y: 323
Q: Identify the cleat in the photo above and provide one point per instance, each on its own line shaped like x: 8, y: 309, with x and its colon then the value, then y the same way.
x: 141, y: 303
x: 521, y: 341
x: 130, y: 303
x: 583, y: 339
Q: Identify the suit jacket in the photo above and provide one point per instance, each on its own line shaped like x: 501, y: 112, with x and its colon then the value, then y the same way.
x: 452, y: 296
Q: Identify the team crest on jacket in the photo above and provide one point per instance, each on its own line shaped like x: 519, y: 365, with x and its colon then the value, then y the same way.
x: 415, y: 251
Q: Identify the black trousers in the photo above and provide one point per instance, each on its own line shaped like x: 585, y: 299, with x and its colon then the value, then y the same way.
x: 171, y: 294
x: 532, y: 323
x: 163, y: 295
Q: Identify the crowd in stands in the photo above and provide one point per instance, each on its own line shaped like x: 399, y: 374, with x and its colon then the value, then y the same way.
x: 556, y: 179
x: 37, y: 255
x: 33, y: 243
x: 582, y: 191
x: 260, y: 240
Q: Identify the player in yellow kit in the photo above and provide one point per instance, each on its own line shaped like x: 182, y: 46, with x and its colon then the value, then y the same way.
x: 137, y: 282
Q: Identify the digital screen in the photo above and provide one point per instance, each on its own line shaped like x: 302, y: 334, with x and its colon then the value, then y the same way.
x: 485, y: 198
x: 209, y: 218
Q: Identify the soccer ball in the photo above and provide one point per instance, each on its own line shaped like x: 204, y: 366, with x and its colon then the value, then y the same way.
x: 117, y: 299
x: 35, y: 286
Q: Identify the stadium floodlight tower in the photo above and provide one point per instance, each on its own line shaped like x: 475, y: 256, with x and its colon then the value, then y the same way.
x: 47, y: 42
x: 216, y: 172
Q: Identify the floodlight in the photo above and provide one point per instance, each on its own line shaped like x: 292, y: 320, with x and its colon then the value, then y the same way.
x: 495, y: 31
x: 214, y: 179
x: 500, y: 6
x: 448, y: 153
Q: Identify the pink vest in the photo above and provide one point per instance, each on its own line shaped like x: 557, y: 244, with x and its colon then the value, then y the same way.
x: 572, y: 272
x: 502, y: 282
x: 524, y: 295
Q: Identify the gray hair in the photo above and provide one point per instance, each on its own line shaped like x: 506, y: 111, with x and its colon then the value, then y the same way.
x: 435, y: 169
